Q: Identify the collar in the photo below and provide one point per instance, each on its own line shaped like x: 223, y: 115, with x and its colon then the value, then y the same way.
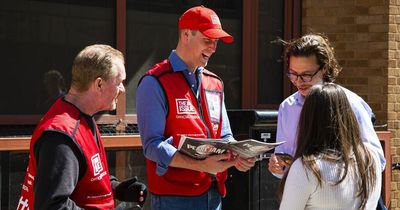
x: 82, y: 113
x: 299, y: 98
x: 179, y: 65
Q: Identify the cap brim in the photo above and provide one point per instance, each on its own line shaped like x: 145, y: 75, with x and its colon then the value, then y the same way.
x: 217, y: 33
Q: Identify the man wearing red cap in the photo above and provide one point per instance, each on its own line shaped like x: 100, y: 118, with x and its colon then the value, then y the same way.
x: 180, y: 97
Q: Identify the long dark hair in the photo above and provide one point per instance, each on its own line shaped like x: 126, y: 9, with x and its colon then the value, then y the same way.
x: 328, y: 130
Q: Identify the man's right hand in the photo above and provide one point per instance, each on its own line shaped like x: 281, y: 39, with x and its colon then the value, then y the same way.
x: 130, y: 190
x: 277, y: 165
x: 217, y: 163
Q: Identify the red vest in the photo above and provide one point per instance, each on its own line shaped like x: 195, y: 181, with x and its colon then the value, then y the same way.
x: 187, y: 117
x: 93, y: 190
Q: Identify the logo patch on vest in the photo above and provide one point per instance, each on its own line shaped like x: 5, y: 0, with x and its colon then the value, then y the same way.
x: 184, y: 106
x: 214, y: 102
x: 96, y: 163
x: 23, y: 204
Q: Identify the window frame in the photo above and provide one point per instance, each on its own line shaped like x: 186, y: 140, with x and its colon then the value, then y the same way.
x: 292, y: 29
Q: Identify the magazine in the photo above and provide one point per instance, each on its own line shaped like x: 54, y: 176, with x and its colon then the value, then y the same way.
x: 200, y: 148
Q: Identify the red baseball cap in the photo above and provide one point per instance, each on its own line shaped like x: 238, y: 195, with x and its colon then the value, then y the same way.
x: 206, y: 21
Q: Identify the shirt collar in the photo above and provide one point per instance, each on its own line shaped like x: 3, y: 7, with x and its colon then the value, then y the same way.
x: 178, y: 64
x: 299, y: 98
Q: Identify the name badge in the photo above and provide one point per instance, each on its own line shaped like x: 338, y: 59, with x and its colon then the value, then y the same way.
x: 214, y: 102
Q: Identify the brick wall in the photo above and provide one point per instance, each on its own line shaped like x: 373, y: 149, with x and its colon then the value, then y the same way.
x: 366, y: 37
x: 393, y: 93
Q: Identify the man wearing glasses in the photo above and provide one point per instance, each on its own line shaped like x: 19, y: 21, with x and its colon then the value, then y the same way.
x: 311, y: 61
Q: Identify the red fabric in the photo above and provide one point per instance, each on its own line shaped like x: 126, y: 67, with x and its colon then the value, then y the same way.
x: 93, y: 191
x: 185, y: 118
x: 206, y: 21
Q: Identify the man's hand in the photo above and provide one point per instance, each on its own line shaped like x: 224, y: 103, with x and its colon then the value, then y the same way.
x: 244, y: 164
x: 130, y: 190
x: 277, y: 165
x: 217, y: 163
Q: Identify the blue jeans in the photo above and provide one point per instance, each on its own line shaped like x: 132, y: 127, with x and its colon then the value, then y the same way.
x: 210, y: 200
x: 381, y: 205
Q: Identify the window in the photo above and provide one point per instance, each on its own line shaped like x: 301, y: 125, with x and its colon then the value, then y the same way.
x: 264, y: 81
x: 40, y: 39
x: 270, y: 65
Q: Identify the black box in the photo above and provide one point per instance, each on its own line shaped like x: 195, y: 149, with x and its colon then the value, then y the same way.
x: 255, y: 189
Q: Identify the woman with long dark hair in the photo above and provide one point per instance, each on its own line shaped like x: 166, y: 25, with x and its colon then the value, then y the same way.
x: 333, y: 168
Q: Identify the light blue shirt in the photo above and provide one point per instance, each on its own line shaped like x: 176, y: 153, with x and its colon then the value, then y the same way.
x: 288, y: 120
x: 152, y: 109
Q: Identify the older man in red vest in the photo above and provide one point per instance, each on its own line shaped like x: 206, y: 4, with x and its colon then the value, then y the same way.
x: 67, y: 162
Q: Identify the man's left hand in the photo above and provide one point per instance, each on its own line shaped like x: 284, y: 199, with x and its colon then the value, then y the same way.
x: 244, y: 164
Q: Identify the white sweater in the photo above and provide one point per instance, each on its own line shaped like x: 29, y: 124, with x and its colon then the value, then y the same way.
x: 302, y: 190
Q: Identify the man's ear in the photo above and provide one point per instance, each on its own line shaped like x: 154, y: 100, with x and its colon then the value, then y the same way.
x: 98, y: 82
x: 185, y: 34
x: 324, y: 69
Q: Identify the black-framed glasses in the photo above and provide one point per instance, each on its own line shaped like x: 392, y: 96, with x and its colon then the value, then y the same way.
x: 304, y: 77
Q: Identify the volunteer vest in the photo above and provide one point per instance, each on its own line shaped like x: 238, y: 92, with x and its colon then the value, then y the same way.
x: 187, y: 116
x: 93, y: 190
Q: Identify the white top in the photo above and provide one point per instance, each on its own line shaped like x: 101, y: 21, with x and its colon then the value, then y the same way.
x: 289, y: 114
x: 303, y: 192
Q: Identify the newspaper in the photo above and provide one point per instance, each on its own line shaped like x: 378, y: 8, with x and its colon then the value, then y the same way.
x: 200, y: 148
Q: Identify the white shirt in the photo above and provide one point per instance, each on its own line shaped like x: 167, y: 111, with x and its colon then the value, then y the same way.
x: 303, y: 192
